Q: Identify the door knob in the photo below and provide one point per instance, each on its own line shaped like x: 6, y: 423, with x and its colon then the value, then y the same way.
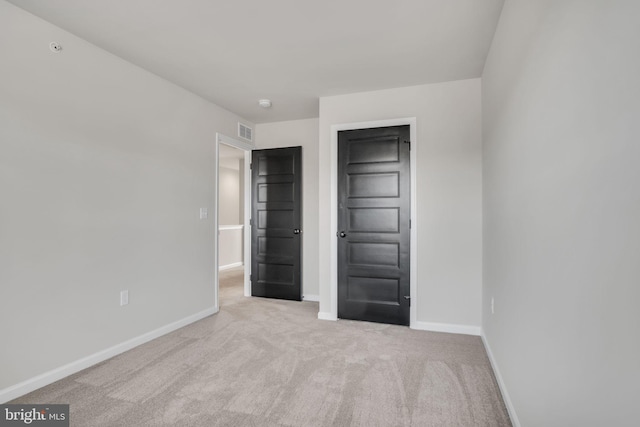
x: 296, y: 231
x: 343, y: 234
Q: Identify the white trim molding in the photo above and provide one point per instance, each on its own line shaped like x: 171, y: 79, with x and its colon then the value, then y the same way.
x: 231, y: 227
x: 246, y: 147
x: 57, y: 374
x: 323, y: 315
x: 503, y: 387
x: 447, y: 327
x: 313, y: 298
x: 230, y: 266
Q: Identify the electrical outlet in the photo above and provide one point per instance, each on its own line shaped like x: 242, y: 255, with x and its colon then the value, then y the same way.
x: 492, y: 306
x: 124, y: 298
x: 204, y: 213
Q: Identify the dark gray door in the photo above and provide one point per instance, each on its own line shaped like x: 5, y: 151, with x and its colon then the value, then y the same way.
x: 276, y: 223
x: 374, y: 205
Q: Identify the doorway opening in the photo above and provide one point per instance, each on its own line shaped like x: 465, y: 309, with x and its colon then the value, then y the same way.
x: 233, y: 257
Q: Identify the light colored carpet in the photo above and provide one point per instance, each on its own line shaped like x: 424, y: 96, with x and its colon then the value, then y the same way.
x: 263, y: 362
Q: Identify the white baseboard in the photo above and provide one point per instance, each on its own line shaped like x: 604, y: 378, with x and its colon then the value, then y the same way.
x: 230, y: 266
x: 446, y: 327
x: 314, y: 298
x: 503, y: 388
x: 54, y: 375
x: 323, y: 315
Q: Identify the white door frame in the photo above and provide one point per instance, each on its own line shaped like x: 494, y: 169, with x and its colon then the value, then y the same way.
x: 246, y: 147
x: 413, y: 271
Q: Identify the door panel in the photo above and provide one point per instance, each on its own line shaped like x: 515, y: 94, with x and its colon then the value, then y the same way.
x: 381, y: 291
x: 373, y: 255
x: 381, y: 220
x: 275, y: 219
x: 364, y: 185
x: 276, y: 222
x: 373, y: 151
x: 374, y: 206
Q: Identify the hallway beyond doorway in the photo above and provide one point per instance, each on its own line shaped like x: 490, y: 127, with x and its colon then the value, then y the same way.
x: 231, y: 286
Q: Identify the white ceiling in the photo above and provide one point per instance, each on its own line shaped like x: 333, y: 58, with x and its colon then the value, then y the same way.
x: 234, y: 52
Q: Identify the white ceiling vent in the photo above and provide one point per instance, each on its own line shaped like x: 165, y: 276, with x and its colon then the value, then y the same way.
x: 245, y: 132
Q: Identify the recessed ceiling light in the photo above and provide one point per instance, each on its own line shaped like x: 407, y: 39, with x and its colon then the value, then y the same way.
x: 264, y: 103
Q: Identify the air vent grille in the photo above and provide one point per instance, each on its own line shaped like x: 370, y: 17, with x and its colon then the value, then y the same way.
x: 245, y: 132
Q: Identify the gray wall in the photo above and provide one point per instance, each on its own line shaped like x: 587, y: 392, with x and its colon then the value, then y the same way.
x: 561, y: 125
x: 290, y: 134
x: 230, y: 210
x: 230, y: 244
x: 449, y: 197
x: 230, y: 196
x: 103, y: 169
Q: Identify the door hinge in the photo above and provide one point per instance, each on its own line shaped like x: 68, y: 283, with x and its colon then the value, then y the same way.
x: 250, y: 165
x: 409, y: 224
x: 250, y: 221
x: 408, y: 142
x: 408, y: 298
x: 251, y: 277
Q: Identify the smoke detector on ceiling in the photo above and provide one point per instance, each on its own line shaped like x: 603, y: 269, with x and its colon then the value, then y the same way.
x: 264, y: 103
